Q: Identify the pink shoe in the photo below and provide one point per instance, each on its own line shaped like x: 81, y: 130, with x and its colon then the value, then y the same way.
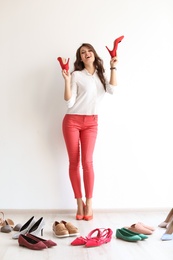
x: 146, y: 226
x: 139, y: 228
x: 104, y: 237
x: 83, y: 240
x: 79, y: 241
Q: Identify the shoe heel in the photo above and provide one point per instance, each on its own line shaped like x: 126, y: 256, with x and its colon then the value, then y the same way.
x: 37, y: 228
x: 113, y: 53
x: 24, y: 229
x: 64, y: 66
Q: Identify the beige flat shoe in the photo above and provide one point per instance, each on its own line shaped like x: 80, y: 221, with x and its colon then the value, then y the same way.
x: 139, y: 228
x: 60, y: 230
x: 72, y: 230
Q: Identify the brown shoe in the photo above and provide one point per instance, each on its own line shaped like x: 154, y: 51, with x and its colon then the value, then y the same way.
x: 73, y: 231
x: 60, y: 230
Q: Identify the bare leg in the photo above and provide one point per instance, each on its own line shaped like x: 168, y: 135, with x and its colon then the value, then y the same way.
x: 80, y: 207
x: 88, y: 208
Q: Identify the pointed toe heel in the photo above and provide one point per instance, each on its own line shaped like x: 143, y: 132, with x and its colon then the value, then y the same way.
x: 37, y: 228
x: 113, y: 53
x: 169, y: 217
x: 168, y: 235
x: 25, y: 228
x: 64, y: 65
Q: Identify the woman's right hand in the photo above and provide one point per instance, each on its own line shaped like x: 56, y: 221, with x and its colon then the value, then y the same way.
x: 66, y: 75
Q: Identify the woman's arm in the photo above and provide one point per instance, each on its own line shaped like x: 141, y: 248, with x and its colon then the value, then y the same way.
x: 113, y: 78
x: 67, y: 88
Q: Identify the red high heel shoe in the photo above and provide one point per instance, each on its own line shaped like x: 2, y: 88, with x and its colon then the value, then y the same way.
x: 113, y: 53
x: 81, y: 217
x: 64, y: 66
x: 88, y: 217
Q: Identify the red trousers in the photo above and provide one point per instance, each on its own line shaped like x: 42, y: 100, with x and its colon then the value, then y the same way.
x: 80, y: 134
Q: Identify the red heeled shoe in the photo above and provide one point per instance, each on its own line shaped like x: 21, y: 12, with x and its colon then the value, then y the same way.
x: 81, y: 217
x: 64, y: 66
x: 88, y: 217
x: 113, y: 53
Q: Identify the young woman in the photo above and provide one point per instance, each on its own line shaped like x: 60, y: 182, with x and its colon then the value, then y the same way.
x: 84, y: 89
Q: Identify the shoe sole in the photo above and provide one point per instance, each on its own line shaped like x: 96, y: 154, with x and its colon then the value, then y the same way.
x: 74, y: 234
x: 61, y: 236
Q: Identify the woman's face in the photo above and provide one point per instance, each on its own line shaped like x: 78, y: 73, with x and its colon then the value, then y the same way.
x: 87, y: 55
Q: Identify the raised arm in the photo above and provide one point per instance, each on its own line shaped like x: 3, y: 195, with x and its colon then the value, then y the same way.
x: 67, y: 88
x: 113, y: 78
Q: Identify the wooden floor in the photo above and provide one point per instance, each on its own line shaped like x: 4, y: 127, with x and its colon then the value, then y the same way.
x: 151, y: 249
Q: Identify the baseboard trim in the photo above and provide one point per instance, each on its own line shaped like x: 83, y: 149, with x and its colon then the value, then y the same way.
x: 72, y: 211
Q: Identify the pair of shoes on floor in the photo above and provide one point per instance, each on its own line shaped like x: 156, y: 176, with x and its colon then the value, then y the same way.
x: 31, y: 226
x: 84, y: 217
x: 95, y: 238
x: 35, y: 243
x: 7, y: 225
x: 64, y: 229
x: 168, y: 219
x: 128, y: 235
x: 141, y: 228
x: 168, y: 235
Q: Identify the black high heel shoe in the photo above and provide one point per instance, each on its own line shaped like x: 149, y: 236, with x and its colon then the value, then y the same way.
x: 37, y: 228
x: 169, y: 217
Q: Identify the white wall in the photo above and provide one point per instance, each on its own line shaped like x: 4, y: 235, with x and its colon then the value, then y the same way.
x: 134, y: 150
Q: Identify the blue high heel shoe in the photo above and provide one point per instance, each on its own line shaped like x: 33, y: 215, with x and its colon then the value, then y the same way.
x: 169, y: 232
x: 37, y: 228
x: 24, y: 229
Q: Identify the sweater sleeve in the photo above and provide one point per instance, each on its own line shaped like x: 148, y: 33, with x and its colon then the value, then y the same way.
x: 109, y: 88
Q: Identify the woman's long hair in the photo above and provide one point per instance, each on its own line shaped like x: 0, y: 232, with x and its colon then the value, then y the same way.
x: 98, y: 63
